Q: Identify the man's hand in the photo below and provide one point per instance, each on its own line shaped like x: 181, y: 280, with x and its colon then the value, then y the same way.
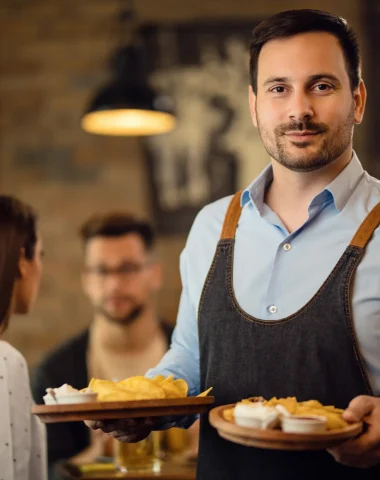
x: 131, y: 430
x: 364, y: 450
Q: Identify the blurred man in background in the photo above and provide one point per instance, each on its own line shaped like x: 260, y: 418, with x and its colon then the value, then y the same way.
x: 121, y: 278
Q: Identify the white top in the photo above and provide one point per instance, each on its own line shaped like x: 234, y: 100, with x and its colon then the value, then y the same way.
x: 22, y: 435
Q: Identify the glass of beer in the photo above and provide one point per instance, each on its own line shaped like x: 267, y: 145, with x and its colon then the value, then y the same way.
x: 176, y: 440
x: 143, y: 456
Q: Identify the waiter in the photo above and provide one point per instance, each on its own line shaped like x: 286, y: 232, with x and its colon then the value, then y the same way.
x: 281, y: 283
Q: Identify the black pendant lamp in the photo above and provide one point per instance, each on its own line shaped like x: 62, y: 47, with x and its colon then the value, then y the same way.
x: 127, y: 105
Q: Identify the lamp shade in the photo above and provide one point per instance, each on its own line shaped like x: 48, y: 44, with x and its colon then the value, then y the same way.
x: 123, y: 109
x: 127, y: 105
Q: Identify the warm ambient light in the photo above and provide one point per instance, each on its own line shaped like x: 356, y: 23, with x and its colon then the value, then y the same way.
x: 128, y: 106
x: 128, y: 122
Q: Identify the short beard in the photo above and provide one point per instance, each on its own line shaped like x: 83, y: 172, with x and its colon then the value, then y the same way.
x: 332, y: 147
x: 128, y: 320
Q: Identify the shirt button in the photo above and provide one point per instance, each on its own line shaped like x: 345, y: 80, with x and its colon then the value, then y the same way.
x: 287, y: 247
x: 272, y: 309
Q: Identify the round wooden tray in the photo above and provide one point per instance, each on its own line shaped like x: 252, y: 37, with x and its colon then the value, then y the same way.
x: 277, y: 439
x: 129, y: 409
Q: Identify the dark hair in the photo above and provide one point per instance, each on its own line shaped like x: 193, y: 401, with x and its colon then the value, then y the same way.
x: 293, y: 22
x: 18, y: 230
x: 115, y: 224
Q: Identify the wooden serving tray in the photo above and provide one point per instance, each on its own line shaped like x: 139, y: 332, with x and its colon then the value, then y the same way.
x: 129, y: 409
x: 277, y: 439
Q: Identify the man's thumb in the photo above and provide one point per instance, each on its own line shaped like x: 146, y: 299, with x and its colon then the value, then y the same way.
x: 358, y: 408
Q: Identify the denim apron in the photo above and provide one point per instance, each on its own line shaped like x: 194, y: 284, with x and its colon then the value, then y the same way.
x: 311, y: 354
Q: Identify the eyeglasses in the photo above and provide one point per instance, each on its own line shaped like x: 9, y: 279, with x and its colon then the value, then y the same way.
x: 126, y: 270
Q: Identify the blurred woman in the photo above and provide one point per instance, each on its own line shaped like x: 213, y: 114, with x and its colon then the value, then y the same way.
x: 22, y: 435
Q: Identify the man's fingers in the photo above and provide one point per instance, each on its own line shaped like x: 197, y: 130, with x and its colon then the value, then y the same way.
x: 110, y: 425
x: 129, y: 430
x: 370, y: 459
x: 364, y: 450
x: 131, y: 437
x: 360, y: 445
x: 119, y: 425
x: 93, y: 424
x: 358, y: 408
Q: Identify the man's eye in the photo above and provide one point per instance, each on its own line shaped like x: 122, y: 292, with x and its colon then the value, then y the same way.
x: 278, y: 89
x: 127, y: 269
x: 101, y: 271
x: 323, y: 87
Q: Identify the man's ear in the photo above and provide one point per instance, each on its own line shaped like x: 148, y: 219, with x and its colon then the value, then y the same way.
x: 252, y: 105
x: 360, y: 98
x: 83, y: 281
x: 22, y: 264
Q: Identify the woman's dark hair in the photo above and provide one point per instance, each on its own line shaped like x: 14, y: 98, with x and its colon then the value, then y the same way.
x: 116, y: 224
x: 18, y: 231
x: 293, y: 22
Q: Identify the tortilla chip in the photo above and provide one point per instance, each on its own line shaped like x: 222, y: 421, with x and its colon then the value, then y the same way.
x: 290, y: 403
x: 144, y: 386
x: 181, y: 386
x: 171, y: 391
x: 205, y: 393
x: 101, y: 387
x: 140, y: 388
x: 118, y: 395
x: 332, y: 414
x: 228, y: 414
x: 159, y: 379
x: 168, y: 379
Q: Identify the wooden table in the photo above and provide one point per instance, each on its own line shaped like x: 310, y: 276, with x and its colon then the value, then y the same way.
x: 170, y: 470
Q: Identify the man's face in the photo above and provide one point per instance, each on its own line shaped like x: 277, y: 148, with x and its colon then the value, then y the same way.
x: 304, y: 107
x: 120, y: 277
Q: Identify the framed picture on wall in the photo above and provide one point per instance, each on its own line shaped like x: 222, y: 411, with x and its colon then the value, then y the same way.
x: 204, y: 68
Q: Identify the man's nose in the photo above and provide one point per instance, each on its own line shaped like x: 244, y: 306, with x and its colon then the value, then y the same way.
x: 300, y: 107
x: 113, y: 281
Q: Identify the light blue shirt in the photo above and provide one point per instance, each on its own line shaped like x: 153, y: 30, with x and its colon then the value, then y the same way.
x: 277, y: 272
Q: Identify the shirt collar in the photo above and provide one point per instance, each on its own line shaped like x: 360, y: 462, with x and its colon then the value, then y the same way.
x: 340, y: 189
x: 343, y: 186
x: 255, y: 192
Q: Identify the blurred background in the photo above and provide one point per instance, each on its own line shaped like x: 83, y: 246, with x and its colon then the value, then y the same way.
x: 56, y: 54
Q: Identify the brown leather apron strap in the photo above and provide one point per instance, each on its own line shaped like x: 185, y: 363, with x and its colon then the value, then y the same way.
x: 231, y: 219
x: 366, y: 229
x: 360, y: 239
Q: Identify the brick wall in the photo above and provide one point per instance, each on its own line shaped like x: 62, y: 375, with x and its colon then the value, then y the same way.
x: 53, y: 54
